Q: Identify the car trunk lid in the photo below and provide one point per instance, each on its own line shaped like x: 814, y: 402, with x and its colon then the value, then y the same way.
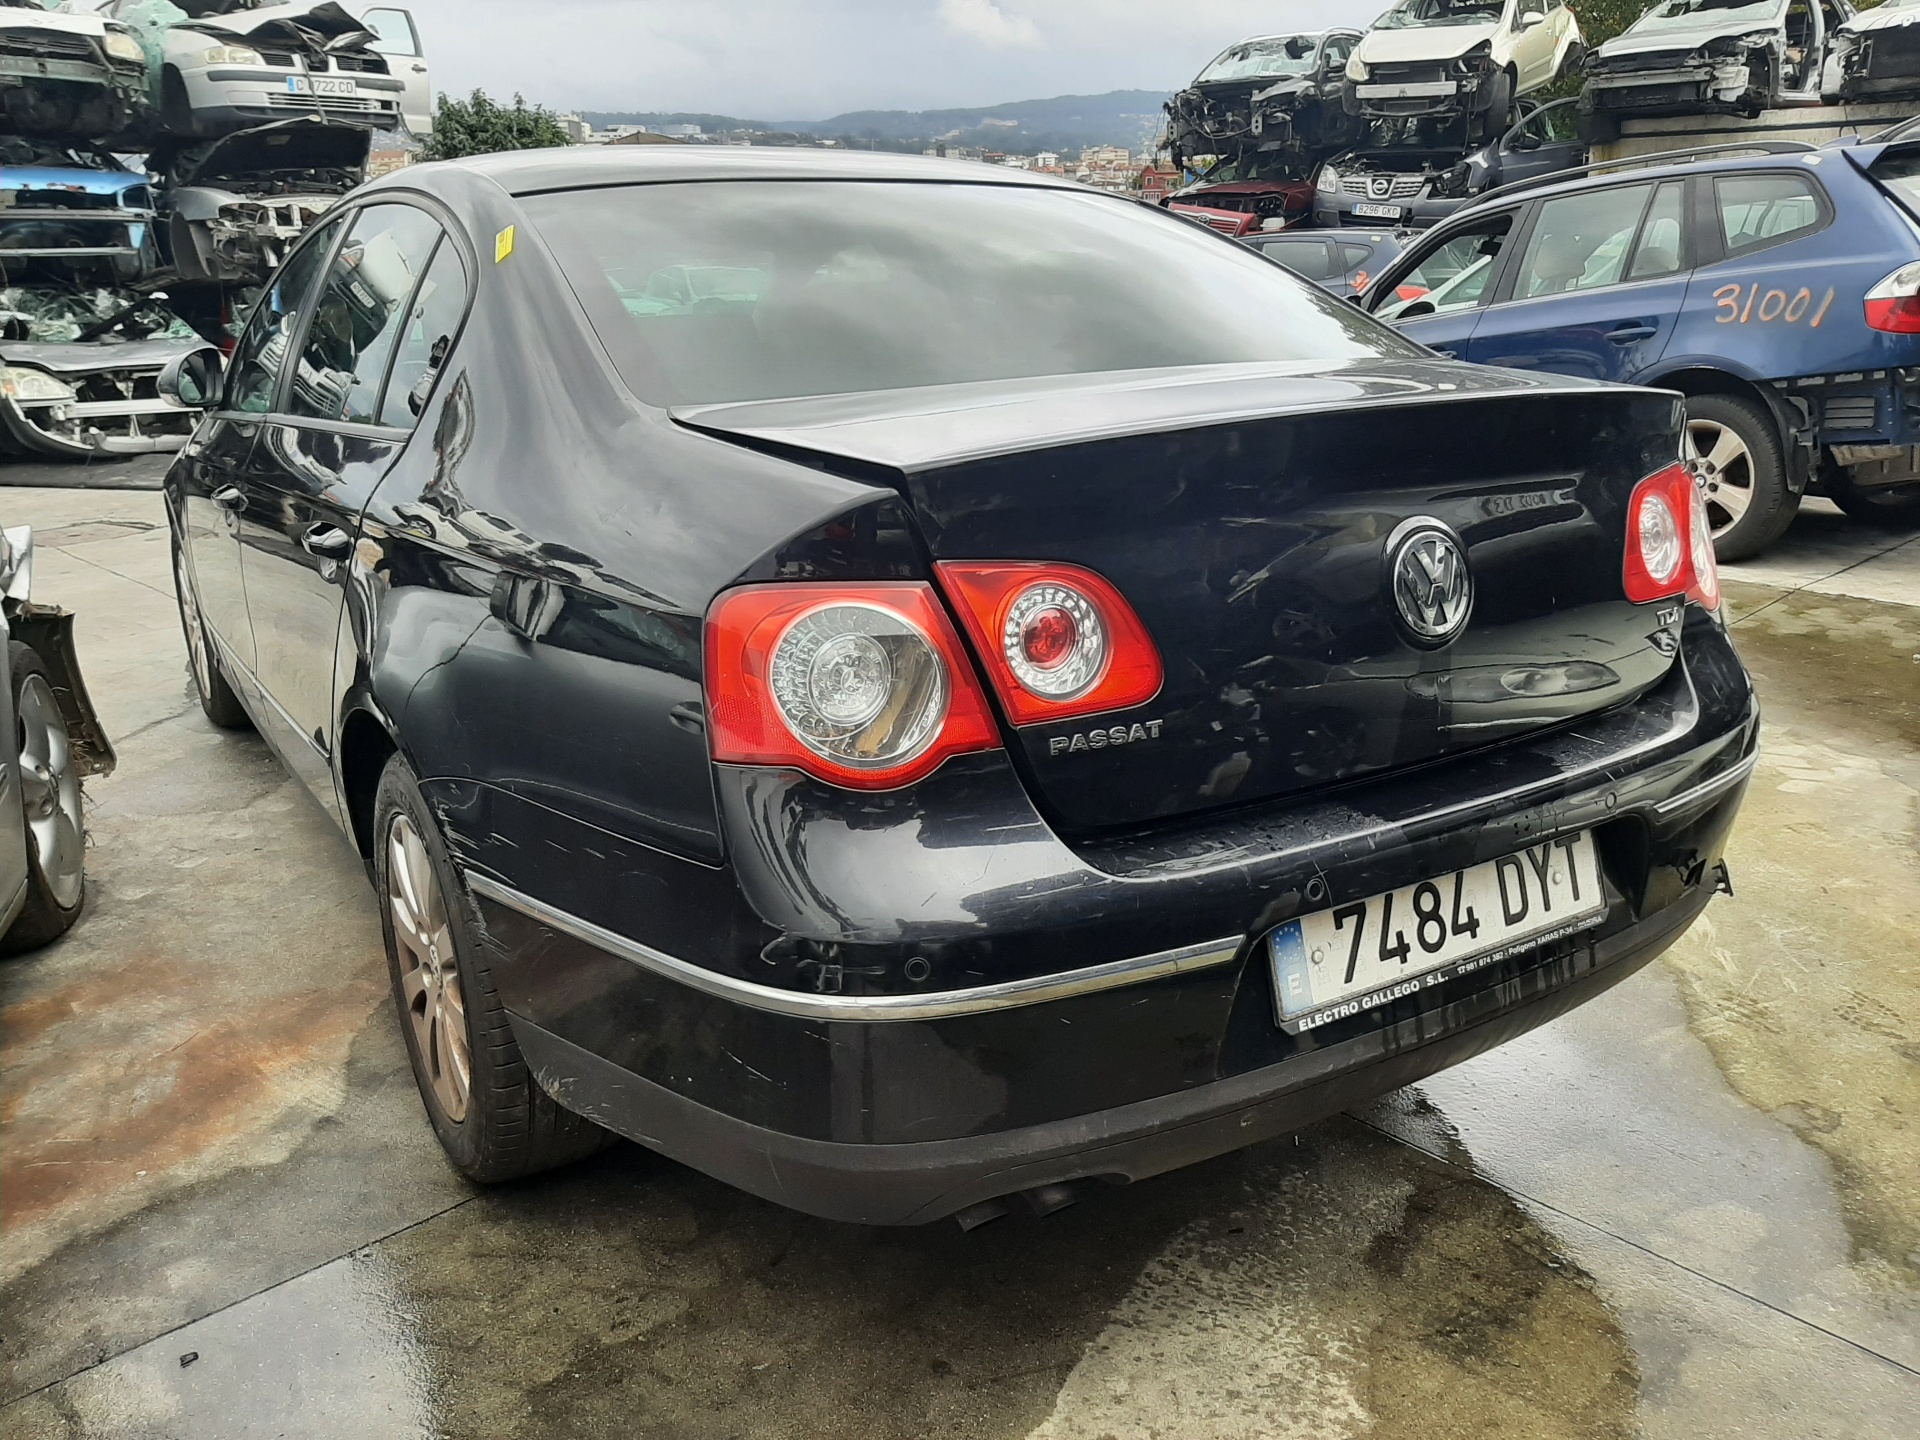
x: 1246, y: 513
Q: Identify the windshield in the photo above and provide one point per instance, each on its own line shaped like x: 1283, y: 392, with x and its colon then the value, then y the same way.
x: 743, y: 290
x: 1692, y: 14
x: 1259, y: 59
x: 50, y: 315
x: 1419, y: 14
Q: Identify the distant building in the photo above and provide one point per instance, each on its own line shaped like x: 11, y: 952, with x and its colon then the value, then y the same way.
x: 636, y: 135
x: 1046, y: 160
x: 682, y: 132
x: 385, y: 162
x: 578, y: 130
x: 1155, y: 182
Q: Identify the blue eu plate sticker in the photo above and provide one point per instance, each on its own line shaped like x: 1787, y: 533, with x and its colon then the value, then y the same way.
x: 1290, y: 968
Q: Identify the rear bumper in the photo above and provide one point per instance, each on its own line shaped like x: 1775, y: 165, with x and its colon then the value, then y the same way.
x: 908, y: 1184
x: 915, y: 1006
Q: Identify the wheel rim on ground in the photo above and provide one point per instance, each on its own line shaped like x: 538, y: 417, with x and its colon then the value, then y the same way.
x: 429, y: 978
x: 1723, y: 465
x: 196, y: 635
x: 50, y: 792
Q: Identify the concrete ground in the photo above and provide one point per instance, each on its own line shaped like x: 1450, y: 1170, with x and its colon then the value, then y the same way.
x: 1690, y: 1209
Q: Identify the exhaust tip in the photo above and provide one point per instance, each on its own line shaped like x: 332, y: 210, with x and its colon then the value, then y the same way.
x: 1045, y: 1199
x: 981, y: 1213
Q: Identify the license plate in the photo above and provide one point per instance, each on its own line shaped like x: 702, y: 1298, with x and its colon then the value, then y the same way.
x: 1335, y: 963
x: 321, y: 85
x: 1378, y: 212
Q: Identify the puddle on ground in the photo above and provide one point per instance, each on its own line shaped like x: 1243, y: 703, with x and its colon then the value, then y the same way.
x: 1806, y: 985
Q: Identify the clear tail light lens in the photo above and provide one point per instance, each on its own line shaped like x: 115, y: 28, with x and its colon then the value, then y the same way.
x: 865, y: 686
x: 1894, y: 304
x: 1670, y: 541
x: 1057, y: 640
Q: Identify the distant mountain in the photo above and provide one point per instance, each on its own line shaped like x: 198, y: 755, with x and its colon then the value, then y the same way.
x: 1066, y: 122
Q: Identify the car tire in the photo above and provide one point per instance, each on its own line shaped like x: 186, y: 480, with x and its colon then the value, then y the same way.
x: 1733, y: 447
x: 50, y: 807
x: 491, y: 1116
x: 217, y: 698
x: 1897, y: 507
x: 1500, y: 109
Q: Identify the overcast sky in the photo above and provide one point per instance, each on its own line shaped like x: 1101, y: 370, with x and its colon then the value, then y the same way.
x: 809, y: 59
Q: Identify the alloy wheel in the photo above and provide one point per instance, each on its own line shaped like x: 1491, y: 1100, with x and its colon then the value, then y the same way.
x: 1723, y: 466
x: 196, y: 635
x: 429, y: 976
x: 50, y: 791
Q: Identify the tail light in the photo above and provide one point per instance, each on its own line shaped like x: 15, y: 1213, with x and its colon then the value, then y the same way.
x: 1894, y: 304
x: 1057, y: 640
x: 865, y: 686
x: 1670, y: 541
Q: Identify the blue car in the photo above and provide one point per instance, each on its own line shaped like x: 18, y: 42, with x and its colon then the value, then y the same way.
x: 1778, y: 291
x: 69, y: 202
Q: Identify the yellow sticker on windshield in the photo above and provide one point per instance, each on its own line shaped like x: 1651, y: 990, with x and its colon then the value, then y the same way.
x: 503, y: 245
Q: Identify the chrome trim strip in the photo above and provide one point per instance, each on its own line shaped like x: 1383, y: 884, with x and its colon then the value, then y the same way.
x: 1725, y: 780
x: 868, y: 1009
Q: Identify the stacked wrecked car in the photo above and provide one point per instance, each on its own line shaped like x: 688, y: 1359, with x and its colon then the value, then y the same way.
x: 158, y: 161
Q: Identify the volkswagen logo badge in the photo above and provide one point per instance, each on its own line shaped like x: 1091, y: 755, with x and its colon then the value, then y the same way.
x: 1432, y: 587
x: 1382, y: 187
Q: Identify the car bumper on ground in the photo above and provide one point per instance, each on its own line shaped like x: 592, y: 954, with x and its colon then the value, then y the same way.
x: 105, y: 427
x: 1155, y: 1044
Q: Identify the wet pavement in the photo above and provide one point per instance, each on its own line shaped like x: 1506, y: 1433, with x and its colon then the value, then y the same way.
x: 1689, y: 1209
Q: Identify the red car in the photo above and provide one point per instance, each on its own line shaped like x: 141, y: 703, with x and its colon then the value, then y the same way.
x: 1240, y: 207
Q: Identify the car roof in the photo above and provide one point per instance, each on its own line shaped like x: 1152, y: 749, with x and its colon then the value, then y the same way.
x: 1683, y: 164
x: 583, y: 167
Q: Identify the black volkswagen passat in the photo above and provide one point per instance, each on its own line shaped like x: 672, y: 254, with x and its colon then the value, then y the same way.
x: 901, y: 684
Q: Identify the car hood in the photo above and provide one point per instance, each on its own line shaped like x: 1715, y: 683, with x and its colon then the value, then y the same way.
x: 1438, y: 42
x: 327, y: 20
x: 307, y: 143
x: 1200, y: 194
x: 79, y: 359
x: 1885, y: 17
x: 92, y: 182
x: 46, y: 20
x: 1686, y: 37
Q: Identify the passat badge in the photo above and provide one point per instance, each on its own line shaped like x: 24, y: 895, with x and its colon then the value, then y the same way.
x: 1432, y: 587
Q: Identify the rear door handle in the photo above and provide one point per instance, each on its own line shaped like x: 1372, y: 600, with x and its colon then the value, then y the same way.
x: 230, y: 498
x: 326, y: 542
x: 1627, y: 334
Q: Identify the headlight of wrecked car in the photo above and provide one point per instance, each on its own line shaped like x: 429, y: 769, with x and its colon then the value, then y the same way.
x: 17, y: 383
x: 124, y: 47
x: 1727, y: 45
x: 1356, y: 68
x: 228, y: 55
x: 1476, y: 61
x: 1328, y: 180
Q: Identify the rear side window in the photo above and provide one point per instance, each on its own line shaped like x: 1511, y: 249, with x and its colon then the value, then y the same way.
x: 1305, y: 258
x: 1354, y: 255
x: 1580, y: 242
x: 358, y: 318
x: 1899, y: 171
x: 1761, y: 210
x: 438, y: 307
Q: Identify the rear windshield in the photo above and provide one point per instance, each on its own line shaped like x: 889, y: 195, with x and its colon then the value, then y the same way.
x: 758, y: 290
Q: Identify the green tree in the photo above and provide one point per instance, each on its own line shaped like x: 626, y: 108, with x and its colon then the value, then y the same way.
x: 478, y: 126
x: 1601, y: 20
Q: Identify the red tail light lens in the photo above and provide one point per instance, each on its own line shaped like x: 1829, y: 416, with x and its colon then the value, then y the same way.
x: 865, y: 686
x: 1894, y: 304
x: 1670, y: 541
x: 1057, y: 640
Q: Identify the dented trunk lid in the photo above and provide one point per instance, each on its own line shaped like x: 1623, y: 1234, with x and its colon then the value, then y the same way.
x: 1245, y: 511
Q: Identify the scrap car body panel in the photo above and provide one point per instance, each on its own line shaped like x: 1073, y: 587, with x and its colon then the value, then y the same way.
x: 1045, y: 957
x: 67, y: 74
x: 1874, y: 55
x: 1475, y: 57
x: 1274, y: 95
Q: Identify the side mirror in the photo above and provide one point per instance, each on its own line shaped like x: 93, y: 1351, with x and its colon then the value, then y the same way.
x: 1523, y: 140
x: 1532, y: 18
x: 192, y: 379
x: 1418, y: 308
